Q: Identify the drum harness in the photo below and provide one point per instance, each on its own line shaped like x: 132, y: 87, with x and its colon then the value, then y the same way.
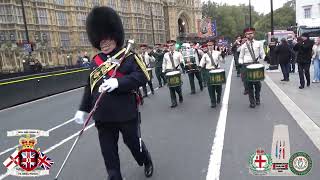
x: 251, y: 51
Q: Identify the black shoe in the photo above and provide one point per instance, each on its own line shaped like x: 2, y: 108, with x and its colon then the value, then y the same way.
x: 152, y: 92
x: 181, y: 99
x: 218, y: 100
x: 213, y: 105
x: 193, y: 92
x: 148, y: 169
x: 286, y: 80
x: 257, y: 102
x: 252, y: 105
x: 301, y: 87
x: 160, y: 86
x: 308, y: 84
x: 144, y: 96
x: 173, y: 105
x: 245, y: 92
x: 201, y: 88
x: 282, y: 80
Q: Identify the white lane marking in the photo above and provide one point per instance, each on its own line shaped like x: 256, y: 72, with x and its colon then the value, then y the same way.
x: 2, y: 176
x: 38, y: 100
x: 52, y: 129
x: 303, y: 120
x: 217, y: 147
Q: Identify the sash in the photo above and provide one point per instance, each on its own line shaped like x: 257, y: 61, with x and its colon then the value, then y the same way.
x: 102, y: 69
x: 211, y: 59
x: 251, y: 51
x: 172, y: 61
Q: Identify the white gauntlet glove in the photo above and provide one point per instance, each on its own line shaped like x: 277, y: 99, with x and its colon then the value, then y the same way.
x: 79, y: 117
x: 109, y: 85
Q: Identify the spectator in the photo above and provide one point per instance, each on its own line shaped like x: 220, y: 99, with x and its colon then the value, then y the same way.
x: 304, y: 49
x: 37, y: 66
x: 283, y: 55
x: 316, y: 61
x: 293, y: 55
x: 86, y: 60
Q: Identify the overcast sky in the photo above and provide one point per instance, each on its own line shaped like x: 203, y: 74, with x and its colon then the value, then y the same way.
x: 262, y: 6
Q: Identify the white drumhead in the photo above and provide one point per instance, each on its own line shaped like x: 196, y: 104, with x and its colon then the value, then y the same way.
x: 172, y: 73
x: 255, y: 66
x: 216, y: 71
x: 149, y: 69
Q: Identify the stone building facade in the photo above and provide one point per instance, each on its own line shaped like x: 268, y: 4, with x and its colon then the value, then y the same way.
x: 56, y: 28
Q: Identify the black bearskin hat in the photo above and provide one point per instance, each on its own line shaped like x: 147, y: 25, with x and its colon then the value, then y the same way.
x: 104, y: 23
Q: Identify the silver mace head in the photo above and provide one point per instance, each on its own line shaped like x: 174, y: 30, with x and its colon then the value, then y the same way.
x: 129, y: 45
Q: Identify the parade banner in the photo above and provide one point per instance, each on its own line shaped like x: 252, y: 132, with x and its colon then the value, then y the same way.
x: 214, y: 28
x: 205, y: 27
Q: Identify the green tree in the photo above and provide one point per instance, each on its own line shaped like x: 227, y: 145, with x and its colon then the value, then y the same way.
x: 231, y: 20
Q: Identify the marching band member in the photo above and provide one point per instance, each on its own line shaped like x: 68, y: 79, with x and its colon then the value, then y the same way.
x: 147, y: 59
x: 172, y: 61
x: 118, y: 108
x: 158, y: 54
x: 211, y: 60
x: 251, y: 52
x: 188, y: 53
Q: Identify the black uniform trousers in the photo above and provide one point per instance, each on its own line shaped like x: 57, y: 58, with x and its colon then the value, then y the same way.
x: 191, y: 80
x: 243, y: 76
x: 304, y: 70
x: 144, y: 87
x: 160, y: 76
x: 215, y: 93
x: 108, y: 138
x: 254, y: 89
x: 173, y: 91
x: 236, y: 62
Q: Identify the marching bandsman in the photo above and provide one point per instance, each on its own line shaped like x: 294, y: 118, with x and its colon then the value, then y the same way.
x: 235, y: 46
x: 158, y: 55
x: 211, y: 60
x: 172, y: 61
x: 251, y: 52
x: 147, y: 59
x: 192, y: 53
x: 242, y: 68
x: 118, y: 107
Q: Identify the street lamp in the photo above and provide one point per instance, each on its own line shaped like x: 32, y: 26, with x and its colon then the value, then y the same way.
x: 250, y: 18
x: 273, y: 60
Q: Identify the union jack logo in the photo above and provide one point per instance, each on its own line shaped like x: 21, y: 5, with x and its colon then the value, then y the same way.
x: 44, y: 162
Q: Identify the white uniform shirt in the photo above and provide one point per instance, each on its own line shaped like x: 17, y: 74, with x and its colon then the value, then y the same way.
x: 245, y: 56
x: 147, y: 59
x: 206, y: 60
x: 177, y: 59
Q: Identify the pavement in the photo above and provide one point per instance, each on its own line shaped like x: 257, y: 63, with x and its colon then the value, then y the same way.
x: 307, y: 99
x: 190, y: 142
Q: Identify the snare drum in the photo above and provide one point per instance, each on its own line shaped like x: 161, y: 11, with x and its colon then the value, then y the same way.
x: 174, y: 78
x: 255, y: 72
x: 217, y: 77
x: 191, y: 67
x: 150, y: 72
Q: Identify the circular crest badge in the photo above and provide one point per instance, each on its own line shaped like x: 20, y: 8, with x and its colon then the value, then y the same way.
x: 300, y: 163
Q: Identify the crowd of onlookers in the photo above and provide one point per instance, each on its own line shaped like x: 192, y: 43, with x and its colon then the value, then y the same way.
x: 301, y: 51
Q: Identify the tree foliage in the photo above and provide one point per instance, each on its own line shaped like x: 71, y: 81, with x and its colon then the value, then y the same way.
x: 231, y: 20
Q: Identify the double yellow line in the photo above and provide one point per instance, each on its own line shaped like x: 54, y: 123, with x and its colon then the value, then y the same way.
x: 39, y: 77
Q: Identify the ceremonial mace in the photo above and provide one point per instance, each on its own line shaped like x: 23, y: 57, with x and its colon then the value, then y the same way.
x: 128, y: 48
